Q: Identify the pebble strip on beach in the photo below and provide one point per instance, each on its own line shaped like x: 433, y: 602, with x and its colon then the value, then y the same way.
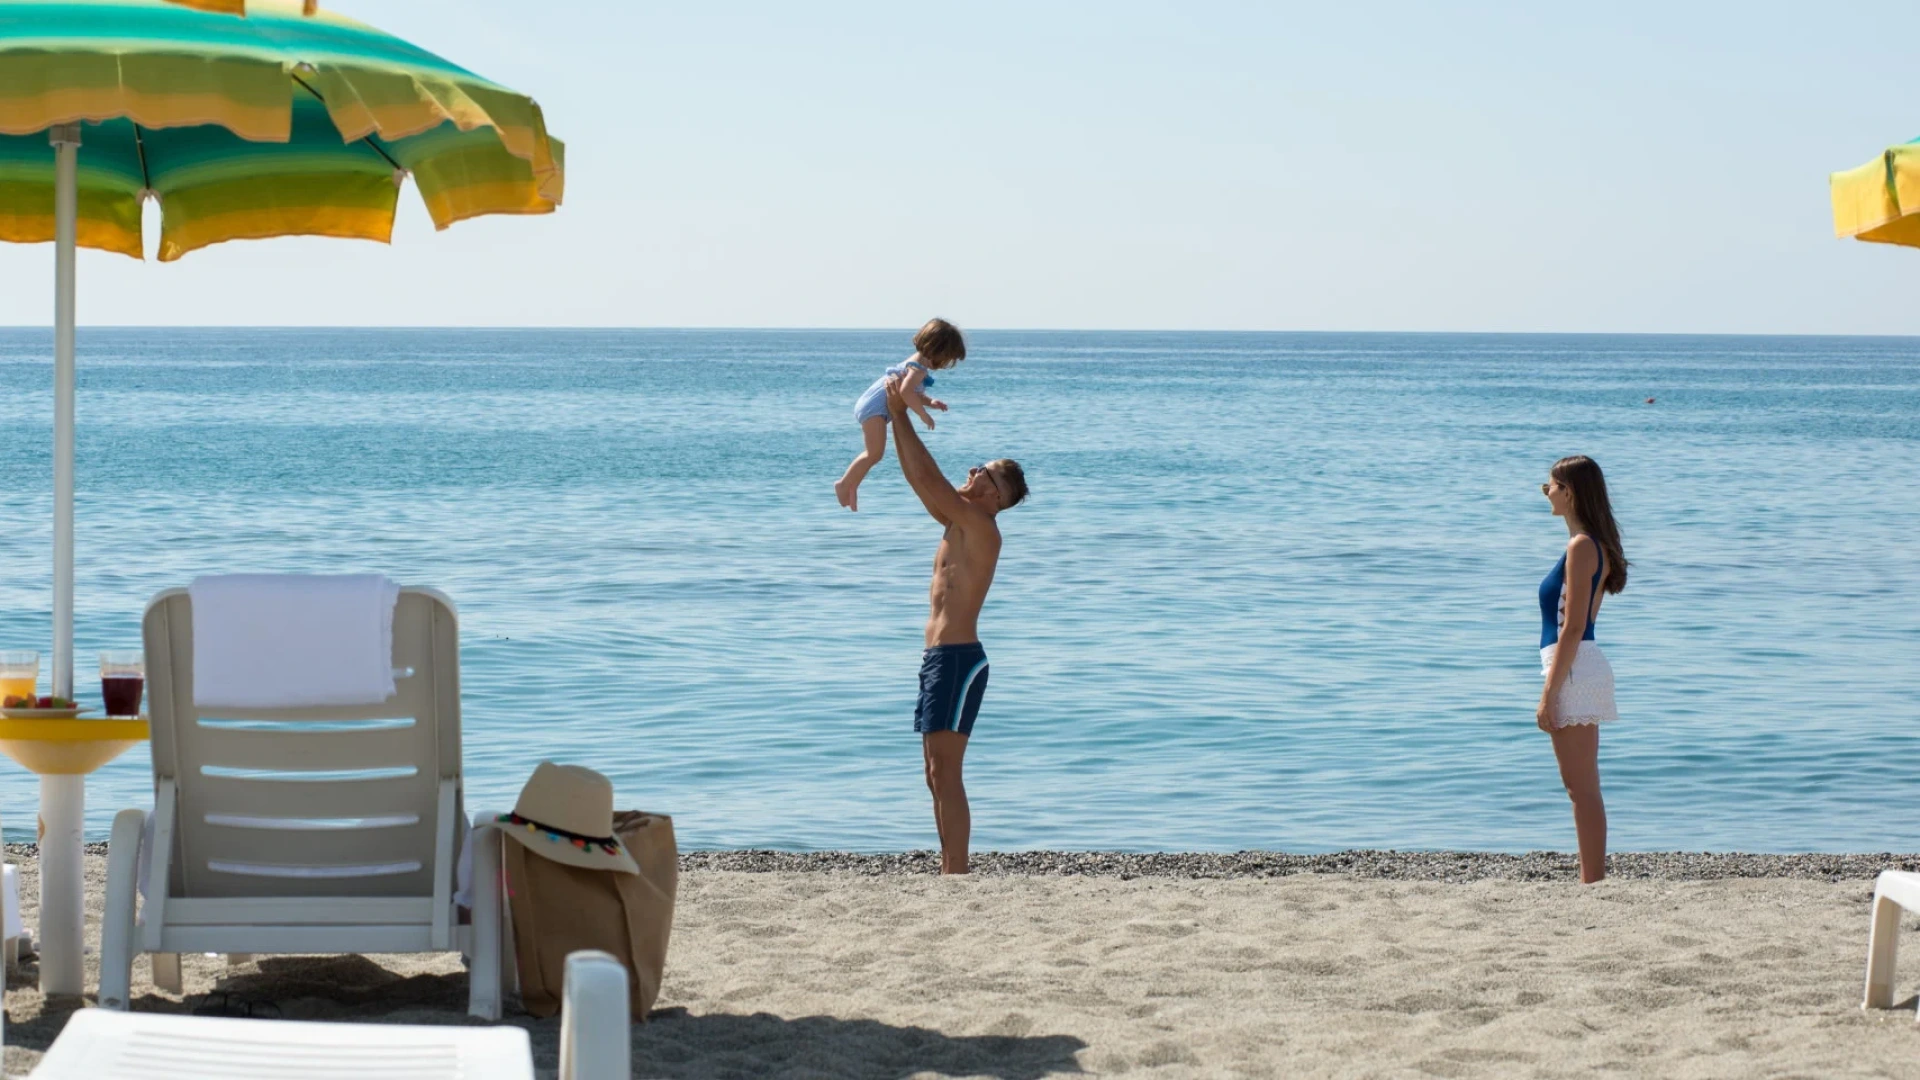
x: 1393, y: 865
x: 1385, y: 865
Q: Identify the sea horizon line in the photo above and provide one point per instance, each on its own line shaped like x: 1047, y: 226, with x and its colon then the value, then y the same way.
x: 1141, y: 331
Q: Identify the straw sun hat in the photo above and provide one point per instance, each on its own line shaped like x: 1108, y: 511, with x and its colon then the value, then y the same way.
x: 565, y: 813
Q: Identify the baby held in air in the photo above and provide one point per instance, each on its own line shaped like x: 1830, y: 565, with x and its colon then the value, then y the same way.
x: 937, y: 347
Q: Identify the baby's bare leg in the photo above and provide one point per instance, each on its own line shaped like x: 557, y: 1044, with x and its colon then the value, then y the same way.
x: 874, y: 429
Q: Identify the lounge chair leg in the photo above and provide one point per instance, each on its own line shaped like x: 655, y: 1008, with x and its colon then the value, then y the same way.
x: 116, y: 921
x: 1882, y: 945
x: 166, y: 972
x: 483, y: 977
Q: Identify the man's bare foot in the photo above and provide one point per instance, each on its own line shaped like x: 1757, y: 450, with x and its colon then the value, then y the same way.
x: 848, y: 494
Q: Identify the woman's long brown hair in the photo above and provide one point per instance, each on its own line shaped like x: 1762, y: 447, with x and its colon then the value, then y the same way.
x: 1581, y: 475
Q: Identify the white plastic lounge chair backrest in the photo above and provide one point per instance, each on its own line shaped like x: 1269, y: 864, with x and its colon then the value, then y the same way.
x: 355, y: 802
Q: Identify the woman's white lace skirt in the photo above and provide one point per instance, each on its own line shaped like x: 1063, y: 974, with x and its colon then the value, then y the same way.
x: 1587, y: 695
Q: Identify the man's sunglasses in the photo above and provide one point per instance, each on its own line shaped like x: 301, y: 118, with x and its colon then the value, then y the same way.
x: 991, y: 479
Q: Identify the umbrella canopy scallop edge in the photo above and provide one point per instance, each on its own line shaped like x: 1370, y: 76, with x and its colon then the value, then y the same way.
x: 278, y: 123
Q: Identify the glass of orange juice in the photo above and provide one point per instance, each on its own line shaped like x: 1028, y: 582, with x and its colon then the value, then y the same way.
x: 19, y: 674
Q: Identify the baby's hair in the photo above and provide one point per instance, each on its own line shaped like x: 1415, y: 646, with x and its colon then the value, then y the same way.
x: 939, y: 344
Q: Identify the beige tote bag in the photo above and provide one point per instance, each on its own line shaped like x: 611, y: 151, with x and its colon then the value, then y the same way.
x: 558, y: 909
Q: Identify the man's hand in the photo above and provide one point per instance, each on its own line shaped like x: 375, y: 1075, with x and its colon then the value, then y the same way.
x: 922, y: 472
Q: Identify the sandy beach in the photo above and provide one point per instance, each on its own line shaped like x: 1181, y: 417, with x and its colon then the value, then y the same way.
x: 1400, y: 966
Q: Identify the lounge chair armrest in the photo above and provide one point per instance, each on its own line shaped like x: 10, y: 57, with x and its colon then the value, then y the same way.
x: 485, y: 984
x: 1894, y: 890
x: 116, y: 923
x: 595, y: 1038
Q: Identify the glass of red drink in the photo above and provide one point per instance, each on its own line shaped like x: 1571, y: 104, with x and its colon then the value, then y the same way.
x: 123, y: 678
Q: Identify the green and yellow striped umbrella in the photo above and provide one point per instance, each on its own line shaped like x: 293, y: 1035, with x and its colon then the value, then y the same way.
x: 249, y: 121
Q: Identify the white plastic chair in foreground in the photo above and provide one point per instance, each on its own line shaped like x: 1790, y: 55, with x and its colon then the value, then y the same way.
x: 304, y: 830
x: 99, y: 1044
x: 1893, y: 891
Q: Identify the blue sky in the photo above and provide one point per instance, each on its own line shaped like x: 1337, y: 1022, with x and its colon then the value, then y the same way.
x: 1357, y: 166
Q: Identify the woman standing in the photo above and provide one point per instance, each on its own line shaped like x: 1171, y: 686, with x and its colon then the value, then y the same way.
x: 1577, y: 696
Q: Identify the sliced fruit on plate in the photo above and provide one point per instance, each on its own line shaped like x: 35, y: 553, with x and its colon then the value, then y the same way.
x: 44, y: 702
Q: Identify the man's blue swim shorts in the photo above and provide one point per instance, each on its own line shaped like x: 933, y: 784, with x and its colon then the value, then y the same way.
x: 953, y: 679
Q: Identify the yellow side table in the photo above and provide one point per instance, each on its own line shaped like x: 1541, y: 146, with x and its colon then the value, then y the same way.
x: 63, y: 752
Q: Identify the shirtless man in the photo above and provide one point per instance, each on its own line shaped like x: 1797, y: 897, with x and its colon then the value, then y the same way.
x: 953, y: 671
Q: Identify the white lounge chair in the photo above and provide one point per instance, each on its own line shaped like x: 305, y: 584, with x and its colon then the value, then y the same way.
x: 1893, y: 891
x: 310, y: 830
x: 10, y: 914
x: 595, y: 1043
x: 9, y: 905
x: 10, y: 928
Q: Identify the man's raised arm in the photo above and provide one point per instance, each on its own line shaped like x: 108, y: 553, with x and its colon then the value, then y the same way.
x: 922, y: 472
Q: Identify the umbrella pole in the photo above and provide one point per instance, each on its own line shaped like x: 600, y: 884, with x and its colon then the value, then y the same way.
x: 66, y: 150
x: 62, y: 798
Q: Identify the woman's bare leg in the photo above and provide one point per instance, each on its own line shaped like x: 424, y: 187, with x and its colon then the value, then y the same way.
x: 1577, y: 748
x: 848, y: 487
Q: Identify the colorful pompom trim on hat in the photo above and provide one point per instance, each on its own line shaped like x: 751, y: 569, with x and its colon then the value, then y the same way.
x: 607, y: 844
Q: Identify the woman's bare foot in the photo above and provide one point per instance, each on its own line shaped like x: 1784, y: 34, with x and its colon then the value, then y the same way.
x: 849, y: 494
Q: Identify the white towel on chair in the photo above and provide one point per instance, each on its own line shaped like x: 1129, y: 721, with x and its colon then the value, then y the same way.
x: 276, y: 641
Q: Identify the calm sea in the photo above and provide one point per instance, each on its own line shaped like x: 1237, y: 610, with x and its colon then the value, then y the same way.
x: 1272, y: 591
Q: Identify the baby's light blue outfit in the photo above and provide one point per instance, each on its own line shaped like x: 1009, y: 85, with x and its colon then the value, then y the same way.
x: 874, y: 402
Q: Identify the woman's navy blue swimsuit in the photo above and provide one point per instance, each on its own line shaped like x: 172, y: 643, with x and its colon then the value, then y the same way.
x: 1553, y: 604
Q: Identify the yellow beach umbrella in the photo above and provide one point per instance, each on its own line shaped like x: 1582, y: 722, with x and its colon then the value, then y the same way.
x: 1880, y: 201
x: 243, y: 121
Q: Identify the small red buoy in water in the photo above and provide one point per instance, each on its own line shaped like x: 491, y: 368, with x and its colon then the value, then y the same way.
x: 1649, y: 401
